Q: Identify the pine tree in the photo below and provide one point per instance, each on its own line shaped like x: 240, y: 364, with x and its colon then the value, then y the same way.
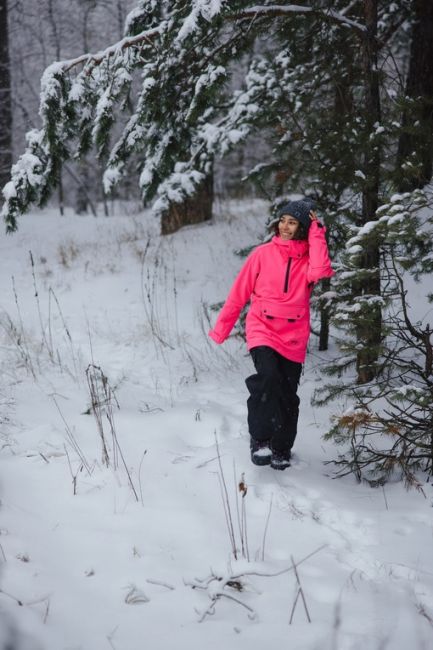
x: 387, y: 426
x: 179, y: 54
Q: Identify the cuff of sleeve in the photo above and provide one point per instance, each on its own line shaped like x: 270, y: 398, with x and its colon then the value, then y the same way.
x: 316, y: 230
x: 316, y: 226
x: 216, y: 337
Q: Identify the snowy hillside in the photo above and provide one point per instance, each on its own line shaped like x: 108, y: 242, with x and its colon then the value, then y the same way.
x: 137, y: 554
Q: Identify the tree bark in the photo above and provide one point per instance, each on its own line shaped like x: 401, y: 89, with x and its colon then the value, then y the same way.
x: 195, y: 209
x: 324, y: 320
x: 369, y: 327
x: 417, y: 141
x: 5, y: 100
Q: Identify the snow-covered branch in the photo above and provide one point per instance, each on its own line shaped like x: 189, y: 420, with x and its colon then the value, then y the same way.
x: 150, y: 35
x: 286, y: 10
x: 91, y: 60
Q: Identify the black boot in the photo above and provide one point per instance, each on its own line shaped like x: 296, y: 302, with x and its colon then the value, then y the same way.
x: 280, y: 459
x: 260, y: 451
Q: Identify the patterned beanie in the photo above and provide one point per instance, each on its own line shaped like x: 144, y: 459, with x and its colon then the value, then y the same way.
x: 299, y: 210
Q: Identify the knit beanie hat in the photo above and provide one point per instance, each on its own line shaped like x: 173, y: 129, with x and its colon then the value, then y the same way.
x: 299, y: 210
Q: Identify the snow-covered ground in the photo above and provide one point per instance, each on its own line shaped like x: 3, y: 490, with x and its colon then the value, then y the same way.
x: 136, y: 556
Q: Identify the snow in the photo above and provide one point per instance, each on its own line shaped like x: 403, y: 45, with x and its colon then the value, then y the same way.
x: 367, y: 228
x: 397, y: 218
x: 148, y: 83
x: 9, y: 191
x: 111, y: 177
x: 182, y: 182
x: 206, y: 9
x: 100, y: 569
x: 354, y: 250
x: 338, y: 17
x: 50, y: 84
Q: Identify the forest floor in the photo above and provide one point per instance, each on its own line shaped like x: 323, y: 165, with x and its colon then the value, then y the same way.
x: 135, y: 552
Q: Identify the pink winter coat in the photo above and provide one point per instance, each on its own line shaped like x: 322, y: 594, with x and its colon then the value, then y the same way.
x: 278, y: 278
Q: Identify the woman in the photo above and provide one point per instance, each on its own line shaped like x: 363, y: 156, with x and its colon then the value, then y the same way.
x: 278, y: 278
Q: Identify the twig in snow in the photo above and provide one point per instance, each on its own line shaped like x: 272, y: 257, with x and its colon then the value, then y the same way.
x: 72, y: 441
x: 102, y: 398
x: 206, y: 462
x: 337, y: 625
x: 236, y: 600
x: 5, y: 593
x: 139, y: 476
x: 48, y: 344
x: 135, y: 596
x: 243, y: 489
x: 110, y: 637
x: 95, y: 379
x: 74, y: 476
x: 300, y: 592
x: 216, y: 594
x: 266, y: 527
x: 210, y: 611
x: 19, y: 337
x: 279, y: 573
x: 66, y: 328
x: 225, y: 500
x: 149, y: 294
x: 160, y: 584
x: 214, y: 585
x: 421, y: 609
x: 384, y: 496
x: 47, y: 340
x: 47, y: 611
x: 128, y: 473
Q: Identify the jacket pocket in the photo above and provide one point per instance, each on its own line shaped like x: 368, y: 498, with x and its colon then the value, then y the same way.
x: 292, y: 313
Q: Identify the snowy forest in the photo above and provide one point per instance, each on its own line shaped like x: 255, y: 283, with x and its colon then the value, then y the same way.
x: 146, y: 147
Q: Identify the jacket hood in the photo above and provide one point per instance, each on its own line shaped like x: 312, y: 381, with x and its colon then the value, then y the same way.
x: 292, y: 247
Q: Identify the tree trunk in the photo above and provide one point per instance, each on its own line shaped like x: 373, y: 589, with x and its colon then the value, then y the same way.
x: 82, y: 190
x: 369, y: 326
x: 324, y: 320
x: 194, y: 209
x: 416, y: 141
x: 5, y: 100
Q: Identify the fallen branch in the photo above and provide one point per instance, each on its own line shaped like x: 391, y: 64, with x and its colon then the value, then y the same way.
x: 300, y: 592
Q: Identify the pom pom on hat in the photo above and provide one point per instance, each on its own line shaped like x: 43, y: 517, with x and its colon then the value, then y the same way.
x: 299, y: 210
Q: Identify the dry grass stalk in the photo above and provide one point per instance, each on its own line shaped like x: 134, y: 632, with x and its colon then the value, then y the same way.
x: 103, y: 400
x: 299, y: 593
x: 226, y: 501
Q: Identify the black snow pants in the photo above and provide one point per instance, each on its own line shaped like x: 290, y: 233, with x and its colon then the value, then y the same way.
x: 273, y: 405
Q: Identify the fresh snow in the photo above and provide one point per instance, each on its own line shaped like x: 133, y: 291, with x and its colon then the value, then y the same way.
x: 98, y: 569
x: 206, y: 9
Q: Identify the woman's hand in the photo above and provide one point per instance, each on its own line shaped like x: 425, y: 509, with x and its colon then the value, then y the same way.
x: 313, y: 217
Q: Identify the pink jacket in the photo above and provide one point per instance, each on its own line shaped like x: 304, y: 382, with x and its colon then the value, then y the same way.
x: 278, y: 278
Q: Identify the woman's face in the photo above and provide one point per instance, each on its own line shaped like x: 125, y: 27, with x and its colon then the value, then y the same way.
x: 287, y: 226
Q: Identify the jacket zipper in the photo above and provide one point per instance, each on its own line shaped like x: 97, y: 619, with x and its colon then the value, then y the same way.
x: 286, y: 279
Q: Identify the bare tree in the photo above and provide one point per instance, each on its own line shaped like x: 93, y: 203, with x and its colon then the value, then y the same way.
x: 5, y: 97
